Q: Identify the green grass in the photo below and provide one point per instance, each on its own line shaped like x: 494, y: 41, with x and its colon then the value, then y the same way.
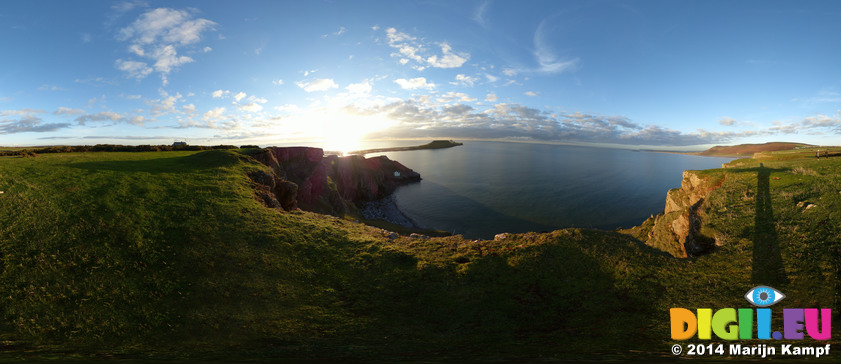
x: 169, y: 255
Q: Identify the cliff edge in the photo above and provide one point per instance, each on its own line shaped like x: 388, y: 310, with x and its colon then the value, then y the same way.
x: 678, y: 229
x: 302, y: 177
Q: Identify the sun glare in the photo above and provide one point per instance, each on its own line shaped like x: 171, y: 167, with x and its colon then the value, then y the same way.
x: 339, y: 131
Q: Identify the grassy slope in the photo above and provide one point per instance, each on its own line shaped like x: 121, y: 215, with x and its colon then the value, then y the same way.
x: 169, y: 254
x: 749, y: 149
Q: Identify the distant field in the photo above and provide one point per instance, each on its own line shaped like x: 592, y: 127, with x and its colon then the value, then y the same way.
x: 169, y: 255
x: 749, y: 149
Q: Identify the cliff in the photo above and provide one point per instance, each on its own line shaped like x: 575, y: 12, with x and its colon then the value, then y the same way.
x: 678, y: 230
x: 302, y: 177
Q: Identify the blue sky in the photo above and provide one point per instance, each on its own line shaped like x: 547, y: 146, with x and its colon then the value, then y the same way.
x: 668, y: 74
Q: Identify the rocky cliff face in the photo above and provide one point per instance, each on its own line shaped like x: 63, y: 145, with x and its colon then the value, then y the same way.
x: 678, y: 229
x: 303, y: 177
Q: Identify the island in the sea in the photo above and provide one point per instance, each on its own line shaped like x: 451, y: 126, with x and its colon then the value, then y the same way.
x: 435, y: 144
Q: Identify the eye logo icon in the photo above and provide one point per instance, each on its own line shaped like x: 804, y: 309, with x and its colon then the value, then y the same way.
x: 764, y: 296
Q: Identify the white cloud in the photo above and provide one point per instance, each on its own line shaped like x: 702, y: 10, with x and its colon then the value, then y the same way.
x: 814, y: 125
x: 363, y: 87
x: 219, y: 93
x: 51, y: 88
x: 491, y: 78
x: 251, y: 107
x: 207, y: 49
x: 164, y: 25
x: 448, y: 59
x: 727, y: 121
x: 510, y: 72
x: 288, y: 108
x: 21, y: 112
x: 134, y: 69
x: 95, y: 100
x: 452, y: 96
x: 415, y: 83
x: 156, y: 35
x: 121, y: 8
x: 239, y: 96
x: 465, y: 80
x: 532, y: 93
x: 277, y: 82
x: 166, y: 58
x: 190, y: 108
x: 68, y: 111
x: 480, y: 13
x: 414, y: 118
x: 411, y: 49
x: 546, y: 58
x: 491, y: 98
x: 100, y: 116
x: 731, y: 122
x: 319, y: 84
x: 136, y: 120
x: 261, y: 100
x: 26, y: 121
x: 214, y: 114
x: 137, y: 49
x: 164, y: 105
x: 98, y: 81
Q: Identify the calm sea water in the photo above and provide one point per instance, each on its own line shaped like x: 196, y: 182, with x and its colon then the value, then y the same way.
x: 484, y: 188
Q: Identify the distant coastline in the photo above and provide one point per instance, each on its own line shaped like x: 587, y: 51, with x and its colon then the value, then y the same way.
x: 741, y: 150
x: 435, y: 144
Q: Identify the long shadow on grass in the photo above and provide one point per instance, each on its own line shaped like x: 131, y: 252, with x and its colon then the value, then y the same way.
x: 767, y: 260
x: 540, y: 300
x: 166, y: 164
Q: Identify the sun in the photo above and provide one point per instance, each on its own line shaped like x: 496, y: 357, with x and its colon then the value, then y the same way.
x: 332, y: 129
x: 344, y: 132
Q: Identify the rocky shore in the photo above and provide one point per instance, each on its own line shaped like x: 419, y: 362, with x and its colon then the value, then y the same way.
x: 386, y: 209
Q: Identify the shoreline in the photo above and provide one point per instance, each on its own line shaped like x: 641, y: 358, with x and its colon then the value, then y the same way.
x: 386, y: 209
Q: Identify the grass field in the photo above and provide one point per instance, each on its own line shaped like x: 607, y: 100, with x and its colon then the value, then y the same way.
x: 168, y: 255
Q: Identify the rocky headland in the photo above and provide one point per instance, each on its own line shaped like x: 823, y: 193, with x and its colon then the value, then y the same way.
x: 678, y: 229
x: 303, y: 177
x: 435, y: 144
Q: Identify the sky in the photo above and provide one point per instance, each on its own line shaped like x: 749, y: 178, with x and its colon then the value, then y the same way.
x: 680, y: 75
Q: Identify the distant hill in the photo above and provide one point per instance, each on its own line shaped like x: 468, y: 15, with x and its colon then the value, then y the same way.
x: 435, y: 144
x: 749, y: 149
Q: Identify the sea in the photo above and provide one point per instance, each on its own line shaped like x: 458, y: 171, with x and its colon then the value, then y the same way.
x: 485, y: 188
